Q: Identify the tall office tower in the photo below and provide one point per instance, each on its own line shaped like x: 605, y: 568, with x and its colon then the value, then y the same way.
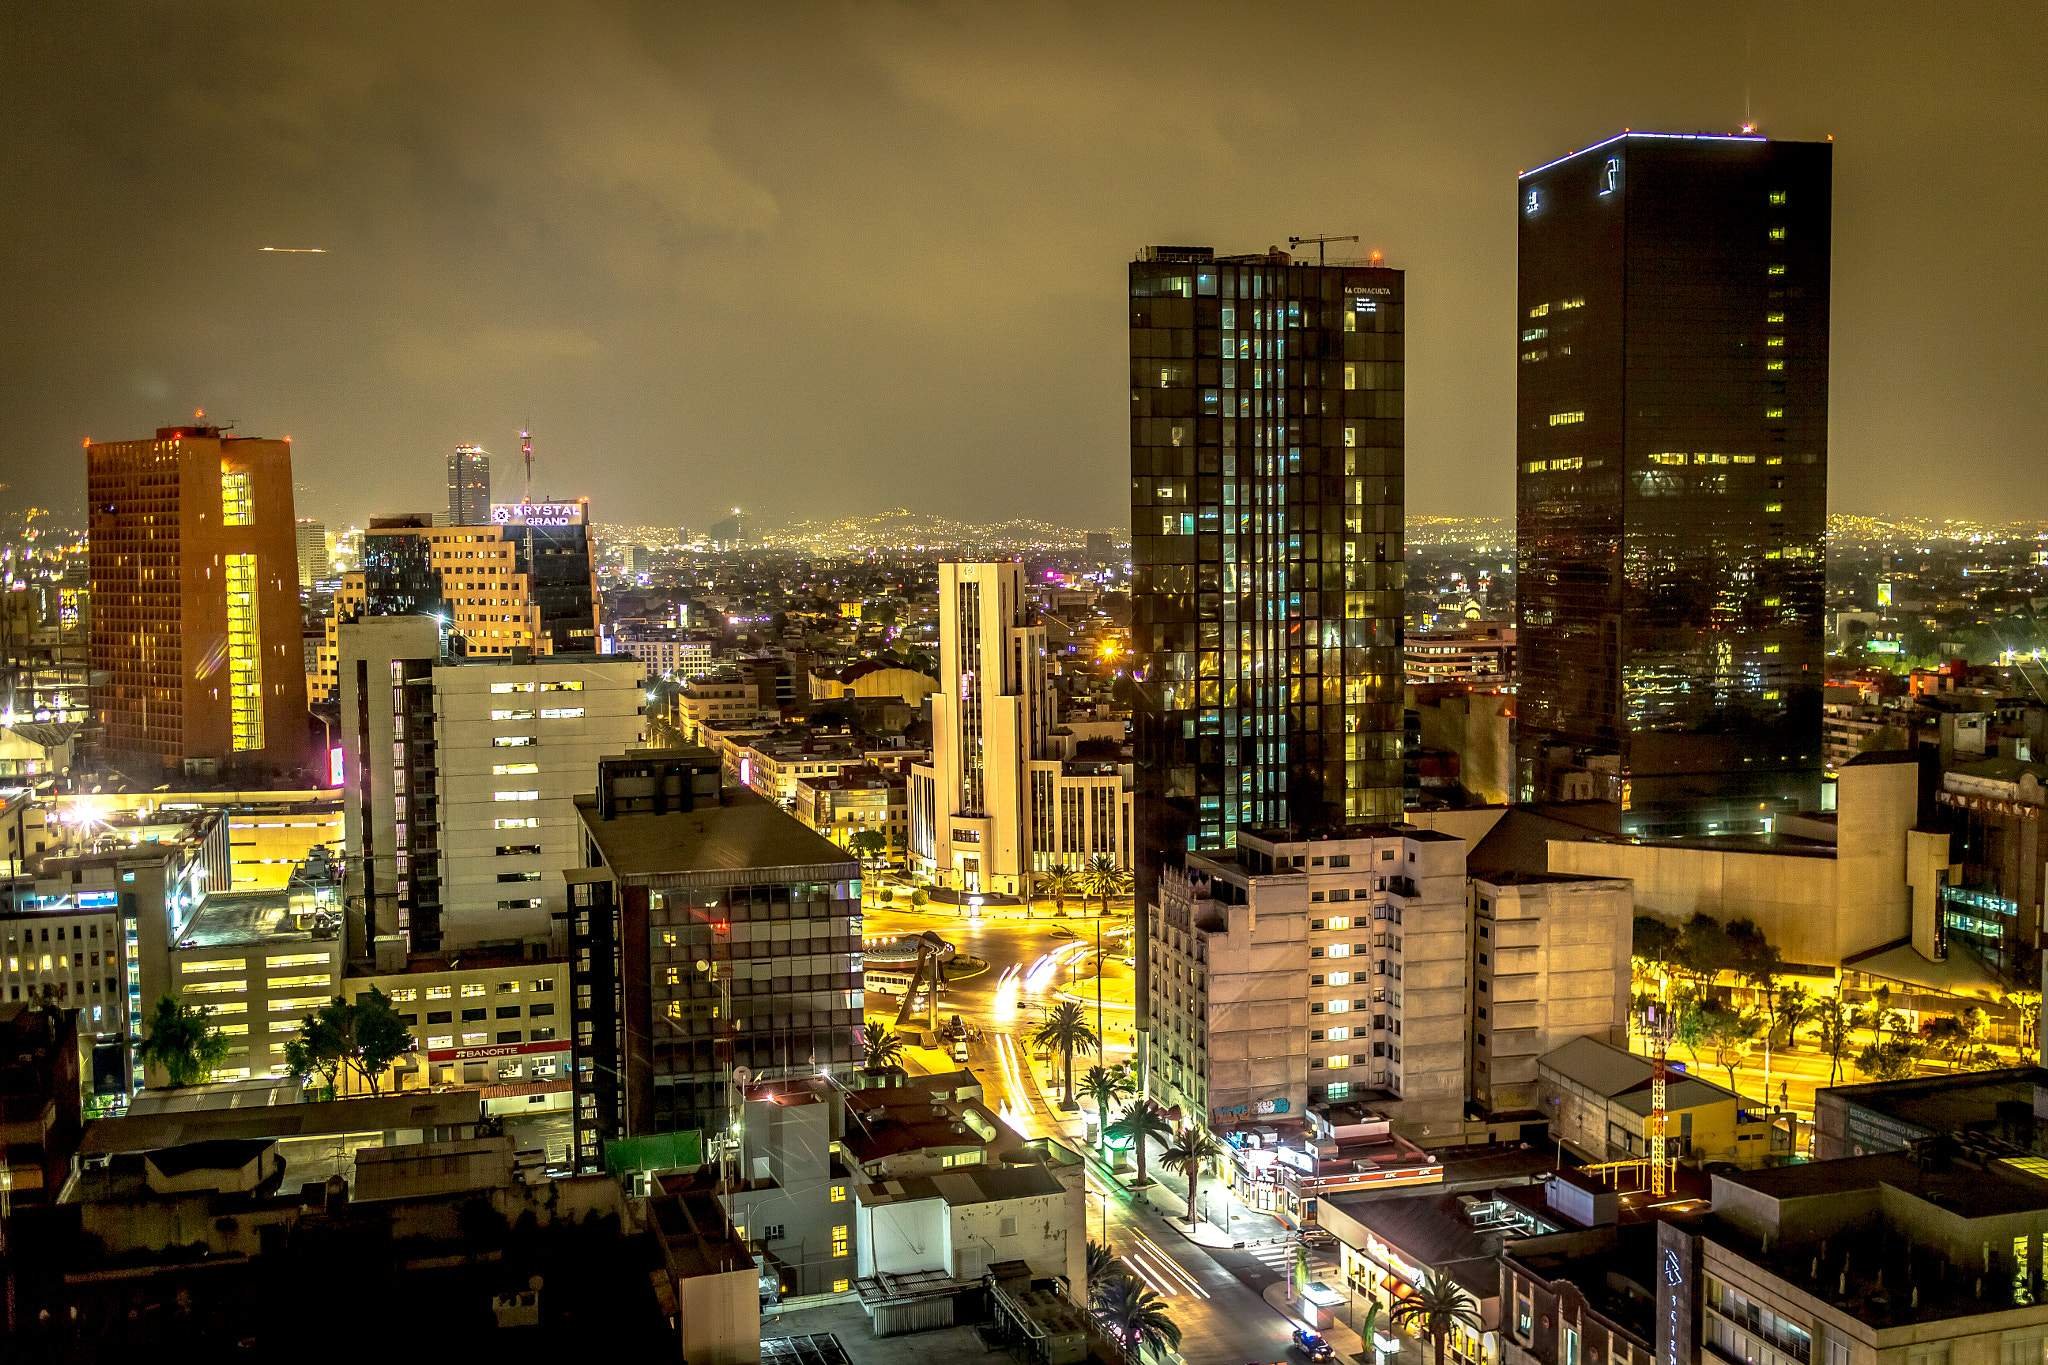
x: 1672, y: 428
x: 313, y: 551
x: 995, y: 808
x: 1266, y: 497
x: 469, y: 486
x: 196, y: 654
x: 710, y: 932
x: 460, y: 777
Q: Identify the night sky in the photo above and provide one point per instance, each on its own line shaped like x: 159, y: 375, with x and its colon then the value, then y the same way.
x: 818, y: 259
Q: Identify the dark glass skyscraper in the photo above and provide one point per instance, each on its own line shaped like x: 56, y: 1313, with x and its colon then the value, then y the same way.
x: 1266, y: 499
x: 1671, y: 478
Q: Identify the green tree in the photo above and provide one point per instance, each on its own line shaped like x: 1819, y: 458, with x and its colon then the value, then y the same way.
x: 1102, y: 877
x: 1066, y: 1031
x: 1654, y: 953
x: 869, y: 845
x: 1105, y: 1085
x: 1437, y: 1308
x: 1729, y: 1033
x: 1193, y: 1148
x: 1060, y: 883
x: 1135, y: 1316
x: 1143, y: 1121
x: 181, y: 1040
x: 365, y: 1035
x: 880, y: 1049
x: 1891, y: 1061
x: 1836, y: 1021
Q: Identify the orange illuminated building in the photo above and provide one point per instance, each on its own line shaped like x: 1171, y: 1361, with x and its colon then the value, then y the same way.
x: 196, y: 657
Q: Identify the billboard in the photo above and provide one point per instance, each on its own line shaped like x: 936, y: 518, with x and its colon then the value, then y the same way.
x: 537, y: 513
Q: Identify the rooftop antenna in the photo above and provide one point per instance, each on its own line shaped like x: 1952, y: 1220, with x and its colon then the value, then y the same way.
x: 1321, y: 244
x: 526, y: 453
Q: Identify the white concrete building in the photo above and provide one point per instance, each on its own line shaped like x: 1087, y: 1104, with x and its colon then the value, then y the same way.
x: 462, y: 775
x: 1290, y: 973
x: 997, y: 804
x: 1550, y: 963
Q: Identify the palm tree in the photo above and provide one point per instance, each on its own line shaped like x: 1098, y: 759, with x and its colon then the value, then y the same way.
x: 1143, y: 1121
x: 1194, y: 1147
x: 1134, y: 1315
x: 1101, y: 1261
x: 1438, y: 1307
x: 1104, y: 878
x: 1066, y: 1029
x: 880, y: 1049
x: 1059, y: 883
x: 1105, y: 1085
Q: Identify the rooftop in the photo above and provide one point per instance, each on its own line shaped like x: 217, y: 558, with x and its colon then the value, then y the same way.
x: 255, y: 918
x: 741, y: 833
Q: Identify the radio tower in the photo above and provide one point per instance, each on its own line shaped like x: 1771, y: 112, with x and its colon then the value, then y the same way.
x: 526, y: 453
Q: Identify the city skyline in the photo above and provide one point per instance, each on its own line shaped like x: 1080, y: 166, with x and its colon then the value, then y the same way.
x: 466, y: 286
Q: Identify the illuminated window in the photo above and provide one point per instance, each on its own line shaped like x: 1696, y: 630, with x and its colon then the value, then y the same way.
x: 245, y: 654
x: 237, y: 504
x: 839, y: 1240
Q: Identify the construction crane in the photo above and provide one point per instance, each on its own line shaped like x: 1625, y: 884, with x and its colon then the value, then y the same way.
x: 1657, y: 1026
x: 1321, y: 244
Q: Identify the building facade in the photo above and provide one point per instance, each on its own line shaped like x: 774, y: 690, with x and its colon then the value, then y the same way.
x: 461, y: 777
x: 195, y: 641
x: 710, y: 932
x: 469, y: 486
x: 1671, y: 477
x: 1289, y: 973
x: 1267, y: 575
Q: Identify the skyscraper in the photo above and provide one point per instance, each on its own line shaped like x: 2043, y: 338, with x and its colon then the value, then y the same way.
x: 196, y: 654
x: 313, y: 551
x: 996, y: 806
x: 1266, y: 501
x: 1671, y: 485
x: 469, y: 486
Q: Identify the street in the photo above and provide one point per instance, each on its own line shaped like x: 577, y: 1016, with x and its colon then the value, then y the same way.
x: 1214, y: 1295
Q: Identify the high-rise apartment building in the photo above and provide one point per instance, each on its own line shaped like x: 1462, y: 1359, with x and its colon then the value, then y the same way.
x: 195, y: 646
x: 994, y: 807
x: 460, y: 778
x: 521, y: 582
x: 1672, y: 412
x: 314, y: 547
x: 1266, y: 505
x: 469, y: 486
